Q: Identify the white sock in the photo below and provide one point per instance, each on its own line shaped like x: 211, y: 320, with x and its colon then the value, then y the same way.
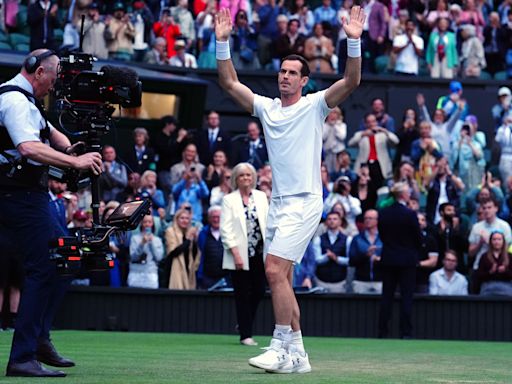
x: 283, y: 332
x: 297, y: 342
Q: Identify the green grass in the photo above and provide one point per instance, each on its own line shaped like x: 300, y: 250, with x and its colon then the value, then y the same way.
x: 127, y: 358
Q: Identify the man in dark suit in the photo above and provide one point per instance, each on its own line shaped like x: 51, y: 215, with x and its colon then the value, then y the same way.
x: 212, y: 139
x: 400, y: 234
x: 42, y: 18
x: 253, y: 150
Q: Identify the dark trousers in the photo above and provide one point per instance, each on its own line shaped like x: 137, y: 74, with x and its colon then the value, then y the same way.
x: 249, y: 287
x: 391, y: 277
x: 60, y: 285
x: 25, y: 228
x: 376, y: 177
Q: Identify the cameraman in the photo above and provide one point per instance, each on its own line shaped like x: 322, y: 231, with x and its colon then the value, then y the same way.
x: 25, y: 152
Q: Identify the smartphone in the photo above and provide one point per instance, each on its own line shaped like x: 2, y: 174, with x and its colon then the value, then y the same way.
x: 147, y: 231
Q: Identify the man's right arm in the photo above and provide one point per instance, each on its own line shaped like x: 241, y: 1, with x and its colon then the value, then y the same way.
x: 228, y: 78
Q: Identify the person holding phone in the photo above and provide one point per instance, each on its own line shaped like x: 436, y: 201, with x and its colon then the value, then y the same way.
x: 191, y: 189
x: 146, y: 250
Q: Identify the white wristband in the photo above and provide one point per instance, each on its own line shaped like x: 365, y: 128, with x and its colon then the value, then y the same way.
x: 222, y: 50
x: 353, y: 47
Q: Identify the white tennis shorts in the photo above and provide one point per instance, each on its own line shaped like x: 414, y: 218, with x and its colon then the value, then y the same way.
x: 292, y: 221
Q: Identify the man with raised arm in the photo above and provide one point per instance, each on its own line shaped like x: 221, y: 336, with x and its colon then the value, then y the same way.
x: 293, y: 132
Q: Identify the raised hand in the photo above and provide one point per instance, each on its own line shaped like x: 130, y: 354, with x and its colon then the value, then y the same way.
x: 354, y: 28
x: 223, y: 25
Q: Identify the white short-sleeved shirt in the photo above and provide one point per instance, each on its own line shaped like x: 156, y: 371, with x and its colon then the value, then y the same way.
x: 293, y: 136
x: 22, y: 119
x: 483, y: 228
x: 407, y: 59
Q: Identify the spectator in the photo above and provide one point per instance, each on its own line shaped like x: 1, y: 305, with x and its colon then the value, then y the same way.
x: 290, y: 43
x: 213, y: 173
x: 365, y: 253
x: 94, y: 33
x: 428, y: 256
x: 221, y: 190
x: 212, y: 139
x: 141, y: 156
x: 343, y: 167
x: 191, y: 189
x: 243, y: 228
x: 405, y: 173
x: 494, y: 269
x: 131, y: 190
x: 373, y: 149
x: 244, y: 43
x: 143, y: 21
x: 502, y: 109
x: 299, y: 10
x: 182, y: 251
x: 114, y: 177
x: 397, y: 26
x: 267, y: 14
x: 206, y: 37
x: 472, y: 55
x: 362, y: 190
x: 331, y: 250
x: 407, y: 134
x: 441, y: 11
x: 119, y: 34
x: 424, y: 152
x: 319, y: 51
x: 495, y: 44
x: 442, y: 187
x: 377, y: 29
x: 441, y: 55
x: 183, y: 17
x: 483, y: 192
x: 409, y: 48
x: 326, y: 182
x: 325, y: 14
x: 182, y: 59
x: 235, y: 6
x: 42, y: 19
x: 304, y: 272
x: 450, y: 103
x: 343, y: 14
x: 334, y: 134
x: 472, y: 15
x: 210, y: 245
x: 341, y: 194
x: 447, y: 281
x: 504, y: 140
x: 146, y: 250
x: 158, y: 54
x: 189, y: 161
x: 503, y: 9
x: 253, y: 149
x: 148, y: 189
x: 168, y: 29
x: 383, y: 119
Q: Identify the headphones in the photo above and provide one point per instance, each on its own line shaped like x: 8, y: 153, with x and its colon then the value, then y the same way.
x: 33, y: 62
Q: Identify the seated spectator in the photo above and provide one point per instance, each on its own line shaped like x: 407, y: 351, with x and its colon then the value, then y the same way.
x: 119, y: 34
x: 405, y: 173
x: 168, y: 29
x: 244, y: 43
x: 131, y: 190
x: 148, y: 189
x: 428, y: 255
x: 365, y: 250
x: 304, y: 272
x: 441, y: 55
x: 141, y: 156
x: 319, y: 50
x: 182, y: 59
x: 185, y: 21
x: 447, y: 281
x: 483, y: 192
x: 191, y: 189
x: 362, y: 190
x: 331, y: 250
x: 343, y: 167
x: 424, y: 152
x: 212, y: 174
x: 253, y: 149
x: 94, y: 34
x: 210, y: 245
x: 378, y: 109
x: 472, y: 55
x: 502, y: 109
x: 221, y: 190
x: 182, y: 251
x: 334, y: 135
x: 146, y: 251
x: 407, y: 134
x: 291, y: 42
x: 189, y: 156
x: 494, y: 269
x: 504, y: 140
x: 341, y: 194
x: 495, y: 44
x: 114, y: 178
x: 409, y: 48
x: 158, y: 54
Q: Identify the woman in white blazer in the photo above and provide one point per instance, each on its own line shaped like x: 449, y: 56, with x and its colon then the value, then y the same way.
x: 374, y: 144
x: 242, y: 228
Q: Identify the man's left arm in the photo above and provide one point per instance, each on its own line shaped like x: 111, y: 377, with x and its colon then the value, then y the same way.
x: 341, y: 89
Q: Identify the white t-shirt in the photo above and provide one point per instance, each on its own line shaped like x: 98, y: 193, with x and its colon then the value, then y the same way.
x: 407, y: 59
x: 293, y: 136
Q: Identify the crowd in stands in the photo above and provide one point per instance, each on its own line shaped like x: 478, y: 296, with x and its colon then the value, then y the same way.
x: 441, y: 39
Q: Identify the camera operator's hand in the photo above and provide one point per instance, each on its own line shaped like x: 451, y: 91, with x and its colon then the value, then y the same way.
x: 90, y: 161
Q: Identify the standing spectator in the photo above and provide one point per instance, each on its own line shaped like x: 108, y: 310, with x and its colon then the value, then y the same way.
x: 149, y: 190
x: 407, y: 134
x: 331, y: 250
x: 183, y: 17
x: 472, y: 15
x: 495, y: 44
x: 378, y: 27
x: 158, y: 54
x: 363, y: 191
x: 502, y: 108
x: 253, y: 149
x: 244, y: 42
x: 42, y: 19
x: 343, y: 14
x: 343, y: 167
x: 94, y: 33
x: 300, y: 11
x: 243, y: 227
x: 191, y: 189
x: 504, y: 140
x: 168, y: 29
x: 450, y: 103
x: 128, y: 194
x: 405, y: 173
x: 114, y: 177
x: 428, y: 256
x: 365, y: 256
x: 182, y: 251
x: 409, y: 48
x: 400, y: 234
x: 182, y: 59
x: 212, y: 139
x: 221, y: 190
x: 206, y: 37
x: 213, y: 173
x: 319, y: 51
x: 235, y: 6
x: 142, y: 20
x: 434, y: 15
x: 441, y: 55
x: 141, y: 156
x: 119, y: 34
x: 292, y: 42
x: 494, y: 269
x: 334, y: 135
x: 447, y: 281
x: 424, y: 152
x: 472, y: 55
x: 189, y: 161
x: 268, y: 32
x: 341, y: 194
x: 146, y: 250
x: 210, y: 245
x: 383, y: 119
x: 325, y: 14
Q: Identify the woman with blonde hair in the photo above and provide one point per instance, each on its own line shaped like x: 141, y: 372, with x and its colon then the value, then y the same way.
x: 333, y: 136
x: 182, y: 250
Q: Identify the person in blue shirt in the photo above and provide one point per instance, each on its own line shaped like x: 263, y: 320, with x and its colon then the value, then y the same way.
x: 191, y: 189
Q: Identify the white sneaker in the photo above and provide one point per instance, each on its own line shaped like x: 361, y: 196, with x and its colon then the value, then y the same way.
x: 276, y: 357
x: 300, y: 362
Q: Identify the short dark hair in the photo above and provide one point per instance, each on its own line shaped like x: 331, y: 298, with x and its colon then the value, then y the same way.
x: 452, y: 252
x: 169, y: 119
x: 304, y: 71
x: 490, y: 200
x: 444, y: 205
x: 294, y: 20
